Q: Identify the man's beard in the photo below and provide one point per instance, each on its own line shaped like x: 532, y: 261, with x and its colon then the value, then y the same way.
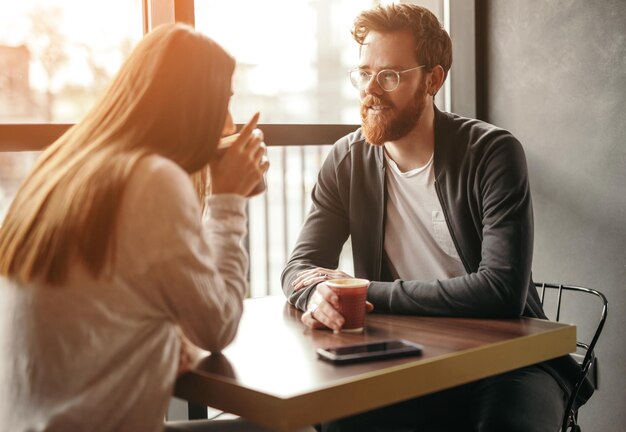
x: 389, y: 125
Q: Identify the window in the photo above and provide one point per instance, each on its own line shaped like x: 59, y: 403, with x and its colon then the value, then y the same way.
x: 294, y: 71
x: 56, y: 57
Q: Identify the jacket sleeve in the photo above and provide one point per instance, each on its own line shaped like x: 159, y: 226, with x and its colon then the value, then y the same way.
x: 498, y: 285
x: 192, y: 272
x: 323, y: 234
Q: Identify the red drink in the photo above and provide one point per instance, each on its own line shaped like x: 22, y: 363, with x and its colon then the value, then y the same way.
x: 352, y: 295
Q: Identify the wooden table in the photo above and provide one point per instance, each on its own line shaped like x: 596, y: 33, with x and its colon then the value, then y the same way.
x: 271, y: 374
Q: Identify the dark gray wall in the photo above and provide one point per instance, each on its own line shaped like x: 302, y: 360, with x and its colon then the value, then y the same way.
x: 555, y: 77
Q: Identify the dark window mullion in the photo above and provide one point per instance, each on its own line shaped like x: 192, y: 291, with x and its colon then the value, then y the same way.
x: 35, y: 136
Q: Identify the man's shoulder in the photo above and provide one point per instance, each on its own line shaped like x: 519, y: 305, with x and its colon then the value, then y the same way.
x: 354, y: 144
x: 472, y: 127
x: 351, y: 155
x: 463, y: 135
x: 347, y: 143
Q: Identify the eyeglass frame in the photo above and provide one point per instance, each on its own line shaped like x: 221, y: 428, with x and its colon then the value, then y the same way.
x: 355, y: 85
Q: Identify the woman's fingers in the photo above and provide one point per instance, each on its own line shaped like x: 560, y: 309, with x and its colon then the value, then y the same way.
x: 246, y: 131
x: 264, y: 164
x: 261, y: 153
x: 241, y: 168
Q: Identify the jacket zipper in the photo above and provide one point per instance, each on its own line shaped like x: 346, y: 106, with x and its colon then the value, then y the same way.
x: 450, y: 230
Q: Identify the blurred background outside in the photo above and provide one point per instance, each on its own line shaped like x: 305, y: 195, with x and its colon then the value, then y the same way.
x: 57, y: 56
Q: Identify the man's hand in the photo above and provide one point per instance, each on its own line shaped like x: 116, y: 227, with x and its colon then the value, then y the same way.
x: 315, y: 275
x: 322, y: 310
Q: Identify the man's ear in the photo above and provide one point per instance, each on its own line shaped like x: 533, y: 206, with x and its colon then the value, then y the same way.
x: 437, y: 77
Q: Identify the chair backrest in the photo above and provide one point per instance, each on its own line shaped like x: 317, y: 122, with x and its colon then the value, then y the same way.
x: 589, y: 361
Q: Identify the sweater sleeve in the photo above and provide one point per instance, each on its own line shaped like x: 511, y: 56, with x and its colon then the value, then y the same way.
x: 192, y: 271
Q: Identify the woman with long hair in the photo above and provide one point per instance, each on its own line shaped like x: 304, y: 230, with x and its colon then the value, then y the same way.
x: 104, y: 255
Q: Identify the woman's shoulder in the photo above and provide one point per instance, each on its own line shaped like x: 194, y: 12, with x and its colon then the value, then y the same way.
x: 159, y: 196
x: 159, y: 183
x: 160, y: 174
x: 157, y: 167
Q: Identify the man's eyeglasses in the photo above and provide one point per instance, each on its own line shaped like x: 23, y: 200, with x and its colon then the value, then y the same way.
x: 388, y: 79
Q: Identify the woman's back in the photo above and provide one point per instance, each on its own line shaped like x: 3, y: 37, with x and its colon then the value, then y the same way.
x: 102, y: 354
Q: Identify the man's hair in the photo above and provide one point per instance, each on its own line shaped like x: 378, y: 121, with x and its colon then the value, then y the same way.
x: 432, y: 43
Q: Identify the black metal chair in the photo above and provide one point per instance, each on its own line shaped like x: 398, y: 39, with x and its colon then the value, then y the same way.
x: 586, y: 357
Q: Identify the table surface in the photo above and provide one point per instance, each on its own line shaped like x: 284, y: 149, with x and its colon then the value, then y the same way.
x: 272, y: 376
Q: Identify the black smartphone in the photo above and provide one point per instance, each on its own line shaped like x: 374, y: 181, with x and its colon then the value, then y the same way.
x: 369, y: 351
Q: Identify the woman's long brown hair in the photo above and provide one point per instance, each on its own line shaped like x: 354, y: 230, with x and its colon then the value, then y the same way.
x: 170, y: 98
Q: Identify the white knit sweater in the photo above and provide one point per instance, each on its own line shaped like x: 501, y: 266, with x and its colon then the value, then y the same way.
x: 102, y: 355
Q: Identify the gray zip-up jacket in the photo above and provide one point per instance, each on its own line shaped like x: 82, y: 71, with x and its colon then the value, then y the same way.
x: 482, y: 184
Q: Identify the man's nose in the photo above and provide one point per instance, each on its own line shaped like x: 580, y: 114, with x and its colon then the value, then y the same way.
x: 372, y: 87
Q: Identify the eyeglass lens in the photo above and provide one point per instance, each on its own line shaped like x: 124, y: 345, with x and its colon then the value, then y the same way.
x: 387, y: 79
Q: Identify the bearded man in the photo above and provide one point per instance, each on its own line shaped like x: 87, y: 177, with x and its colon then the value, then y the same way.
x: 439, y: 211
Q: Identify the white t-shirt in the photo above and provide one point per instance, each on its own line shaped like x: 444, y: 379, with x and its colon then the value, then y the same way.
x: 96, y: 355
x: 417, y: 240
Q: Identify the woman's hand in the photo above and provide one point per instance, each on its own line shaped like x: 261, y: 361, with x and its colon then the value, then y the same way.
x: 243, y: 164
x: 188, y: 354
